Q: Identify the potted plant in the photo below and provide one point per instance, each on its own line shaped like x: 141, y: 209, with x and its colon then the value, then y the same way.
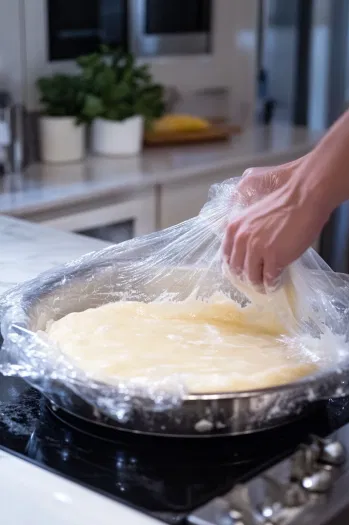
x: 120, y: 98
x: 62, y: 130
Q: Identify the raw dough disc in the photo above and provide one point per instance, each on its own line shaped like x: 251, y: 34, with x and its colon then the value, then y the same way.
x: 212, y: 347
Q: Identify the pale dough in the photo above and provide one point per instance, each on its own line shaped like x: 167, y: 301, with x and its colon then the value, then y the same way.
x: 215, y: 347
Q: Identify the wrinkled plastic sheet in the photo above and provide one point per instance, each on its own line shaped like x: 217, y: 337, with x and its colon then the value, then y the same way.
x: 176, y: 264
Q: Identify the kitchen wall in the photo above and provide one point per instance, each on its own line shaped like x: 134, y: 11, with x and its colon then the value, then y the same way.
x: 232, y: 63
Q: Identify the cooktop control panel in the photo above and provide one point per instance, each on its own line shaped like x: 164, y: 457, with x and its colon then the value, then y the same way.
x: 311, y: 486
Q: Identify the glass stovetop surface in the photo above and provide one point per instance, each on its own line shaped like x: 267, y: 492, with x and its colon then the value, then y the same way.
x: 164, y: 477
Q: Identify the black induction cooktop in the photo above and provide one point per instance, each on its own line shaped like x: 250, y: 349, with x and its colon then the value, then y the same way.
x: 163, y: 477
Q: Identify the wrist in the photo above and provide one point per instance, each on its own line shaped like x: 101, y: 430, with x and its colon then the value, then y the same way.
x: 317, y: 187
x: 327, y: 170
x: 294, y: 164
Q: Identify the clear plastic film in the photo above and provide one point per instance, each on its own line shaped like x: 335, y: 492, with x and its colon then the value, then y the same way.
x: 180, y: 264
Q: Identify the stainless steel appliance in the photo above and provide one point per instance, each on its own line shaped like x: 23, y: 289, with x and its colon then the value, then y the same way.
x: 80, y: 27
x: 174, y: 27
x: 146, y: 27
x: 310, y: 486
x: 334, y: 242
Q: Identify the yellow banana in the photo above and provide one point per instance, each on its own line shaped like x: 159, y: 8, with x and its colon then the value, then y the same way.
x: 178, y: 122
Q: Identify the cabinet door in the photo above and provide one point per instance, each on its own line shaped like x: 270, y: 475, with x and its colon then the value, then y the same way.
x: 139, y: 211
x: 183, y: 200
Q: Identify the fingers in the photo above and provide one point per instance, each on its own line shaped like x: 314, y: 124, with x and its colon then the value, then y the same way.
x: 254, y: 267
x: 238, y: 254
x: 229, y: 241
x: 250, y: 260
x: 244, y: 259
x: 271, y: 273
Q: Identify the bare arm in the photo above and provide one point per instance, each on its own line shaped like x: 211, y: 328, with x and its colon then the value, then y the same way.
x: 275, y: 231
x: 326, y: 169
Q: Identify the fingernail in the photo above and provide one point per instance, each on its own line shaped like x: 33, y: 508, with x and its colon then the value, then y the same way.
x: 239, y: 273
x: 257, y: 287
x: 260, y: 288
x: 225, y: 260
x: 274, y: 285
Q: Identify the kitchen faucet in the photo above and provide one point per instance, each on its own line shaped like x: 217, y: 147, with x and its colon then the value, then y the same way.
x: 12, y: 136
x: 5, y: 131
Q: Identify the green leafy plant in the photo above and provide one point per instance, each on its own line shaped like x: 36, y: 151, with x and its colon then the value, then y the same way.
x: 116, y: 88
x: 62, y: 96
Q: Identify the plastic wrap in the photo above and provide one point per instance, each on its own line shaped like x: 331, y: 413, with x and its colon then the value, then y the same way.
x: 177, y: 264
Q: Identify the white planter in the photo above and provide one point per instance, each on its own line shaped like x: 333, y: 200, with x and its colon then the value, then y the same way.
x: 117, y: 138
x: 61, y: 140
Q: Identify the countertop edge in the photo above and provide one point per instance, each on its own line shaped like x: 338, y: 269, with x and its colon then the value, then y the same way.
x: 135, y: 187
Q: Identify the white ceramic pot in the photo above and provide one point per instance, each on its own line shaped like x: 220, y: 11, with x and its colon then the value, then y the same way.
x: 110, y: 137
x: 61, y: 140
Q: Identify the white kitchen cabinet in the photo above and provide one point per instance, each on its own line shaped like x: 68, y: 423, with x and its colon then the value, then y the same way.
x: 183, y: 200
x: 137, y: 210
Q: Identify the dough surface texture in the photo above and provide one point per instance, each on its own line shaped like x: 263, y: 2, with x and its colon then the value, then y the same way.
x: 211, y: 347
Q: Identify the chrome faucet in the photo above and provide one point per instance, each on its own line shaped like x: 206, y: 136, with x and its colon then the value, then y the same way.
x: 12, y: 135
x: 5, y: 132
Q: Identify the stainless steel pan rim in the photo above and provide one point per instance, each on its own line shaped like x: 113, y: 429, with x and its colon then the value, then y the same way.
x: 306, y: 380
x: 55, y: 409
x: 309, y: 380
x: 207, y: 415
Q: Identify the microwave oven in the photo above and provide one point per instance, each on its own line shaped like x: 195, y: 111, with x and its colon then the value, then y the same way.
x: 174, y: 27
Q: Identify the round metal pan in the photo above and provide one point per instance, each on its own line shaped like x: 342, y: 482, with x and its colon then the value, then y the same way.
x: 92, y: 284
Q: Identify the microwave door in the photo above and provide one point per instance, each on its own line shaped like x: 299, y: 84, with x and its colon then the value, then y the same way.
x: 174, y: 27
x: 80, y: 27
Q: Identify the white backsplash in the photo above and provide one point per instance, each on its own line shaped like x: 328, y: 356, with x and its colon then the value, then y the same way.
x: 213, y: 103
x: 209, y: 103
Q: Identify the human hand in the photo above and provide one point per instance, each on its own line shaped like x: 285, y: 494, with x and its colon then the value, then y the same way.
x: 274, y: 232
x: 257, y: 183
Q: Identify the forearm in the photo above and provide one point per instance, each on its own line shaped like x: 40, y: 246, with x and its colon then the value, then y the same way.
x: 326, y: 168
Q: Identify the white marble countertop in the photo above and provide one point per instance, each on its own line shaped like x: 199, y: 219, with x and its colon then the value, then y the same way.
x: 31, y: 495
x: 28, y: 249
x: 44, y: 187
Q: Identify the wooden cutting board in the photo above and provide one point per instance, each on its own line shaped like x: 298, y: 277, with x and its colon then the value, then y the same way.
x: 215, y: 132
